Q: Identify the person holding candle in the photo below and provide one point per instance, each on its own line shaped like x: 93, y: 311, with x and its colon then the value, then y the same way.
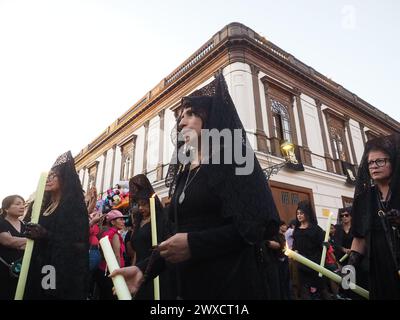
x: 61, y: 238
x: 221, y: 214
x: 308, y: 240
x: 376, y: 217
x: 141, y: 191
x: 115, y: 221
x: 343, y: 236
x: 12, y: 244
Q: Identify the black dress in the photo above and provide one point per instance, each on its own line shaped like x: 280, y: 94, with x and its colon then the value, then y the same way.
x: 141, y: 244
x: 308, y: 242
x: 67, y: 250
x: 222, y: 265
x: 384, y: 279
x: 8, y: 282
x: 342, y: 239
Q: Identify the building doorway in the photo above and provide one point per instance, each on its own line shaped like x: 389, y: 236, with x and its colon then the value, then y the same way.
x: 287, y: 196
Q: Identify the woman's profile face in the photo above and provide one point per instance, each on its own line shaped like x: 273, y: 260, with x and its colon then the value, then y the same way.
x: 53, y: 182
x: 379, y: 166
x: 190, y: 126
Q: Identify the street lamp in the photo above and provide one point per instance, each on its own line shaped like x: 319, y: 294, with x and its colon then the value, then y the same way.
x: 287, y: 149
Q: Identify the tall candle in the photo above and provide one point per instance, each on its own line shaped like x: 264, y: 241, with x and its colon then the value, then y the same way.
x: 343, y: 258
x: 327, y: 273
x: 120, y: 285
x: 328, y: 228
x: 26, y: 260
x: 153, y: 221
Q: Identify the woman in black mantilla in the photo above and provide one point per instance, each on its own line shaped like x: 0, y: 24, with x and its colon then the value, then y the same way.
x: 140, y: 191
x: 61, y: 236
x: 221, y: 212
x: 376, y: 216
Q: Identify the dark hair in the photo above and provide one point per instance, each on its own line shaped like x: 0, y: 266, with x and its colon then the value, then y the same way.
x: 282, y: 223
x: 345, y: 209
x: 7, y: 202
x: 199, y: 106
x: 306, y: 207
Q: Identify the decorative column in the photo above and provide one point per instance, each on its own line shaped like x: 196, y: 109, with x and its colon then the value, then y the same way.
x: 260, y: 133
x: 353, y: 151
x: 328, y: 158
x: 305, y: 152
x: 161, y: 145
x: 275, y: 143
x: 146, y: 143
x: 114, y: 148
x: 103, y: 173
x: 363, y: 134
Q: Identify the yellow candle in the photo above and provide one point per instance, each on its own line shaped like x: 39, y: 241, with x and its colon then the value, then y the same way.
x: 328, y: 228
x: 120, y: 285
x: 153, y: 221
x: 343, y: 258
x: 327, y: 273
x: 26, y: 260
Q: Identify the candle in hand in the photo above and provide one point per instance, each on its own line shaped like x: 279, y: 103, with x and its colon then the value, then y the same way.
x: 154, y: 239
x: 120, y: 285
x: 328, y: 228
x: 26, y: 260
x: 327, y: 273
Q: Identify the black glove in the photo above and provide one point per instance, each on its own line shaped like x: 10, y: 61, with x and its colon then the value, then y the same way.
x: 393, y: 217
x: 355, y: 258
x: 326, y: 244
x: 35, y: 231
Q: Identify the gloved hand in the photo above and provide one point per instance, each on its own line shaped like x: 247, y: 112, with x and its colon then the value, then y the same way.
x: 393, y: 217
x: 35, y: 231
x: 326, y: 244
x: 355, y: 258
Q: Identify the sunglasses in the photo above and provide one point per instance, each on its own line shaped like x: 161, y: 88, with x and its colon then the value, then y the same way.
x: 344, y: 215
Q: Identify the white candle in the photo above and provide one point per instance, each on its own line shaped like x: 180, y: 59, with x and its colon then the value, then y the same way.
x: 26, y: 260
x: 120, y: 285
x: 327, y: 273
x: 328, y: 228
x: 343, y: 258
x: 153, y: 221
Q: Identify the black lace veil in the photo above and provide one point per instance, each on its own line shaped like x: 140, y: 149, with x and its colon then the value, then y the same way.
x: 246, y: 198
x: 364, y: 197
x: 67, y: 247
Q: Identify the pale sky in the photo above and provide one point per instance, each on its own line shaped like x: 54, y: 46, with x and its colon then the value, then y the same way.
x: 69, y: 68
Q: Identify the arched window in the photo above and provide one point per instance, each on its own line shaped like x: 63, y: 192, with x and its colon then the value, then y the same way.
x: 281, y: 121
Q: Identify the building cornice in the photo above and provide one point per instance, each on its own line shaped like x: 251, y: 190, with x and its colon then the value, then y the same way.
x: 231, y: 37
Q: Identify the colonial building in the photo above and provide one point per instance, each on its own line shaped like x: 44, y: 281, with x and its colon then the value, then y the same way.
x: 277, y: 97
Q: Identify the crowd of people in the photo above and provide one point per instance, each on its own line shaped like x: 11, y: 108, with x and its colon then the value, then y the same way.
x: 219, y: 237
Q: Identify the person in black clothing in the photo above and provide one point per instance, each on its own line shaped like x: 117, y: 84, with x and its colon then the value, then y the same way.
x: 140, y: 241
x: 61, y: 237
x: 222, y: 213
x: 308, y: 239
x: 343, y: 236
x: 12, y: 244
x: 376, y: 217
x: 281, y: 261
